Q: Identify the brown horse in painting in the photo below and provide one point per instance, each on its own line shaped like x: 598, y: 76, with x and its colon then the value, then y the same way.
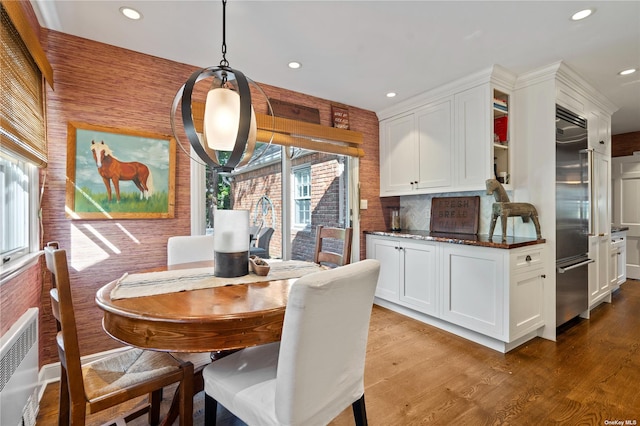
x: 112, y: 169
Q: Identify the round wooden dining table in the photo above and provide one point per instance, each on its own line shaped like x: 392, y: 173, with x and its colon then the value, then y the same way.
x: 204, y: 320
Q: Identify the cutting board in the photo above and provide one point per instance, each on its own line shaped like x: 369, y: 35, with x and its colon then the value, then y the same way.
x: 458, y: 215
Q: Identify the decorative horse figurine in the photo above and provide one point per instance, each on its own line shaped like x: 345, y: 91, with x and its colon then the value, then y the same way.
x: 112, y: 169
x: 505, y: 208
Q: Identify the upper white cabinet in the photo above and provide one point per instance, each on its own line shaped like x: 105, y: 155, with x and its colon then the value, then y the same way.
x: 599, y: 130
x: 447, y: 137
x: 435, y: 138
x: 403, y: 151
x: 417, y: 150
x: 472, y: 149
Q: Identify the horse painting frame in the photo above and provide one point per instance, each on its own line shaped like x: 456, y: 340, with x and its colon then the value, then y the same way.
x: 119, y: 173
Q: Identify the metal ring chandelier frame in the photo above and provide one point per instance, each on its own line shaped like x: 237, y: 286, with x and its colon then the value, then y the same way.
x: 242, y: 150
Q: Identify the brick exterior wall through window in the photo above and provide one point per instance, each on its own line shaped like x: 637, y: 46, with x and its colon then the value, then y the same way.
x: 329, y: 194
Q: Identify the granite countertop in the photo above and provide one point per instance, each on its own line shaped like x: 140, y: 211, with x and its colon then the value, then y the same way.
x: 619, y: 228
x: 482, y: 240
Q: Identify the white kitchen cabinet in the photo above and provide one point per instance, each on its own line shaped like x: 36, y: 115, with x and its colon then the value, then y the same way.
x: 600, y: 194
x: 416, y: 150
x: 622, y: 262
x: 447, y: 137
x: 465, y: 289
x: 495, y: 292
x: 474, y: 163
x: 398, y: 155
x: 408, y: 272
x: 613, y: 267
x: 599, y: 132
x: 435, y: 142
x: 599, y: 279
x: 619, y: 250
x: 473, y: 289
x: 386, y: 252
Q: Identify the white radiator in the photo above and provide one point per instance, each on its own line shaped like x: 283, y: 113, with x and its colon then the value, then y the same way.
x: 19, y: 372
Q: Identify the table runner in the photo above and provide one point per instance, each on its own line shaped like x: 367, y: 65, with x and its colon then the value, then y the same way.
x: 151, y: 283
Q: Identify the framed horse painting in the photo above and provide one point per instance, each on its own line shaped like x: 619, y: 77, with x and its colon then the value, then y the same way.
x: 119, y: 174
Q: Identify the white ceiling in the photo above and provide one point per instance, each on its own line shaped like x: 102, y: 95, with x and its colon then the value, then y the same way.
x: 354, y: 52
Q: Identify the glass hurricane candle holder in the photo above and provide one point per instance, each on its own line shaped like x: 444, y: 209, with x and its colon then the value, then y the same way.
x: 231, y: 243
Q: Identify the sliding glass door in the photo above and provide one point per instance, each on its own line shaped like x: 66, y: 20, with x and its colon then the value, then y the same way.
x: 313, y: 190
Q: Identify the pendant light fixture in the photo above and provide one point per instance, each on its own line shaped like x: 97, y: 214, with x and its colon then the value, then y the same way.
x: 229, y: 118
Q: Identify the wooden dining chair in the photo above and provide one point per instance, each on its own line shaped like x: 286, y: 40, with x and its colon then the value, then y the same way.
x: 328, y: 241
x: 114, y: 379
x: 189, y: 248
x: 297, y: 381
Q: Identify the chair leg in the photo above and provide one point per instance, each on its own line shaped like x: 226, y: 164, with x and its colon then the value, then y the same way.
x: 155, y: 399
x: 63, y: 408
x: 210, y: 410
x: 360, y: 412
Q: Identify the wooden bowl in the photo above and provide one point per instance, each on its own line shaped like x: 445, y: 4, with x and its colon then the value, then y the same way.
x: 259, y: 266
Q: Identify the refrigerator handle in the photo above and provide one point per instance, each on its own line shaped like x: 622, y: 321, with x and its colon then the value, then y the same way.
x: 591, y: 200
x: 577, y: 265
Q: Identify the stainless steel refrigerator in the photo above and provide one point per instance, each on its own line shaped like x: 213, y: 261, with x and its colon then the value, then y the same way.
x: 572, y: 216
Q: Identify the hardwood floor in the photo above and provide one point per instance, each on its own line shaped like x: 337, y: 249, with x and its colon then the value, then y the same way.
x: 417, y: 374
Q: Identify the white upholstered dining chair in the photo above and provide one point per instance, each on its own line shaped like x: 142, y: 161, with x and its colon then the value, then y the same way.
x: 189, y: 248
x: 185, y: 249
x: 317, y: 369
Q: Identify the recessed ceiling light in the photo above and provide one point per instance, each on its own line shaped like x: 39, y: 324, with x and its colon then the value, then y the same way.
x: 294, y: 65
x: 391, y: 94
x: 130, y: 13
x: 582, y: 14
x: 627, y: 72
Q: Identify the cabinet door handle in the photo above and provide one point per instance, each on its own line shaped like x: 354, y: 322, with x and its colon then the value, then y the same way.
x: 528, y: 258
x: 601, y: 142
x: 543, y: 276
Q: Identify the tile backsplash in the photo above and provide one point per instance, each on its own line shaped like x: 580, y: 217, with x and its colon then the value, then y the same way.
x: 415, y: 211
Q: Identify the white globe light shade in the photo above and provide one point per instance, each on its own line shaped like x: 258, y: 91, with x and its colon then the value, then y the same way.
x: 222, y: 119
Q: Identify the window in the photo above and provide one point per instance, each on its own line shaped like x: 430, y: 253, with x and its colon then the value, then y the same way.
x: 302, y: 196
x: 22, y: 142
x: 18, y: 180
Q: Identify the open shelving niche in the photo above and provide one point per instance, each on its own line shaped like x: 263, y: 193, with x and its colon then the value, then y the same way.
x: 501, y: 138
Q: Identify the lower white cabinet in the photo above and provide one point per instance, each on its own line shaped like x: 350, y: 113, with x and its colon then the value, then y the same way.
x: 599, y: 278
x: 490, y: 291
x: 613, y: 267
x: 618, y: 264
x: 622, y: 262
x: 408, y: 272
x: 496, y: 292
